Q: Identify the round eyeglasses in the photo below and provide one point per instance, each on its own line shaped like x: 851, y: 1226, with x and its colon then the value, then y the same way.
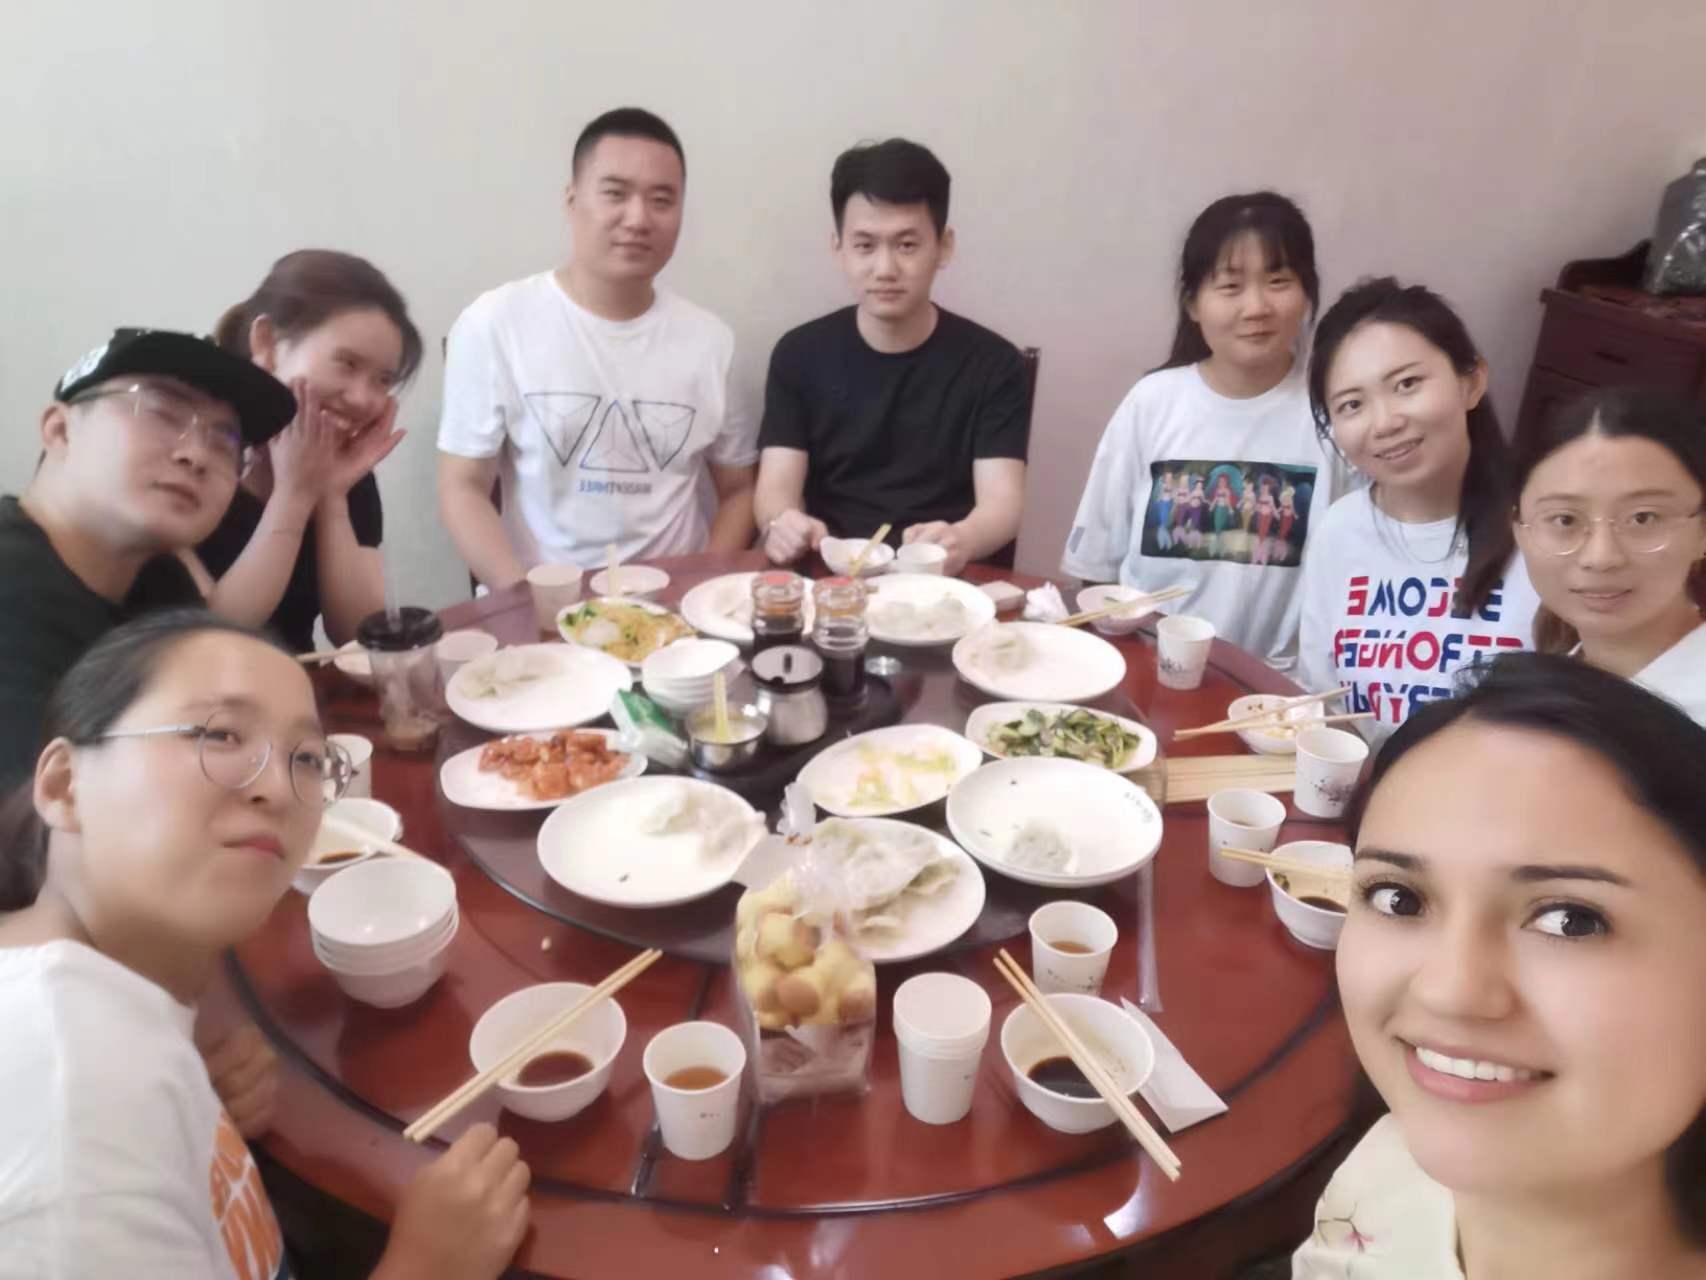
x: 1646, y: 532
x: 233, y: 752
x: 173, y: 417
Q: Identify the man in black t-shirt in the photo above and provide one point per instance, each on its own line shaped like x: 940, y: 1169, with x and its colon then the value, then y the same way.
x: 893, y: 410
x: 139, y: 460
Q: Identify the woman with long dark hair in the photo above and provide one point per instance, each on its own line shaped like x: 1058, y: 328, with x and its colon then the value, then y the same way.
x: 1222, y: 427
x: 1416, y: 575
x: 301, y: 539
x: 182, y: 782
x: 1521, y: 971
x: 1610, y: 517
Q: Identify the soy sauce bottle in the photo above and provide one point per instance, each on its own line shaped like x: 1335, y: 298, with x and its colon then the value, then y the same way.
x: 778, y: 609
x: 840, y: 634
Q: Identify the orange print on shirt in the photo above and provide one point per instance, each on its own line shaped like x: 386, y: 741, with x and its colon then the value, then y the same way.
x: 241, y: 1208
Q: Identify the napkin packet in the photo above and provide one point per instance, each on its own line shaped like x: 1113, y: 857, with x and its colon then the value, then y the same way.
x: 1178, y: 1094
x: 1045, y: 605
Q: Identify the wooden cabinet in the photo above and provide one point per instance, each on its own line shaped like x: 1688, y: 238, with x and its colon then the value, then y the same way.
x: 1600, y: 330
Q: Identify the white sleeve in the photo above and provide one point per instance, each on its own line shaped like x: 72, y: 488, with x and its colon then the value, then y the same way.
x: 1102, y: 530
x: 479, y: 396
x: 1315, y: 665
x: 736, y: 443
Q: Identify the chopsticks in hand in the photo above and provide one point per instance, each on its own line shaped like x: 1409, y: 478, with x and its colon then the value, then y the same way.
x: 460, y: 1099
x: 1123, y: 1107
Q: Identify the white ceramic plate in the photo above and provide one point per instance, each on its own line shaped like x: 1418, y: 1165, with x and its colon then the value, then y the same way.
x: 656, y: 610
x: 1112, y: 825
x: 722, y: 607
x: 573, y: 686
x: 466, y: 784
x: 927, y: 924
x: 1062, y: 664
x: 920, y: 590
x: 833, y: 773
x: 991, y: 715
x: 593, y: 844
x: 639, y: 580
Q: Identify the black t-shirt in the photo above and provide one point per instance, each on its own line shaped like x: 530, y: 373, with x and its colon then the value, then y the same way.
x: 294, y: 617
x: 893, y: 436
x: 48, y: 619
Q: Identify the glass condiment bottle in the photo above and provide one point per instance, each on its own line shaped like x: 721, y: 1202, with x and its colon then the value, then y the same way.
x: 840, y: 633
x: 778, y: 609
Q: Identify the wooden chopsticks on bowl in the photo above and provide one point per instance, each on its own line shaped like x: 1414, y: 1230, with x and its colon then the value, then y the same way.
x: 1287, y: 866
x: 319, y: 656
x: 366, y: 839
x: 875, y: 541
x: 1125, y: 606
x: 1263, y: 723
x: 1277, y: 711
x: 453, y: 1103
x: 1093, y: 1070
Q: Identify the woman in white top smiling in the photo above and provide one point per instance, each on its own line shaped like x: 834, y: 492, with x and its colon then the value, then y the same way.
x: 1610, y: 520
x: 1417, y: 575
x: 1521, y: 971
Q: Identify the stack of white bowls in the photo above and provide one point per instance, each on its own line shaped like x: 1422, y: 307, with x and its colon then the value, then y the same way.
x: 678, y: 677
x: 384, y: 927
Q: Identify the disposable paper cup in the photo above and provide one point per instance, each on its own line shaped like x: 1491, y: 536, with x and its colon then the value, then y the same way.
x: 458, y: 648
x: 1183, y: 645
x: 1244, y: 819
x: 941, y: 1025
x: 696, y: 1123
x: 360, y: 752
x: 921, y: 557
x: 1329, y: 761
x: 554, y: 587
x: 1058, y: 972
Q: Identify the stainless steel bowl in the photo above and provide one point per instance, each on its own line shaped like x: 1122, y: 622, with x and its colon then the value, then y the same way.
x: 746, y: 725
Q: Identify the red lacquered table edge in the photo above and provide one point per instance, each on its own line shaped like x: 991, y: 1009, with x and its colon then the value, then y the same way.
x: 575, y: 1236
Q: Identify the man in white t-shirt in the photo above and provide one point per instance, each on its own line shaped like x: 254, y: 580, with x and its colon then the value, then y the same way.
x: 597, y: 403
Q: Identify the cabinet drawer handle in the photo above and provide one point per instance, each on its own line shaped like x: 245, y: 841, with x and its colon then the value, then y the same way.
x: 1611, y: 357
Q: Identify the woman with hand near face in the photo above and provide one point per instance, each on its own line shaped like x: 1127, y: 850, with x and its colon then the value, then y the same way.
x: 1521, y: 970
x: 301, y: 538
x: 1611, y: 521
x: 180, y: 789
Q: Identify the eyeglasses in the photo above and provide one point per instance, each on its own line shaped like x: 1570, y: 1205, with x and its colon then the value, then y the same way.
x: 1563, y: 533
x: 233, y: 753
x: 172, y: 417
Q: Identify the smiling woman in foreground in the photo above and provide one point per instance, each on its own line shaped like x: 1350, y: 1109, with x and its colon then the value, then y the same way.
x: 1522, y: 973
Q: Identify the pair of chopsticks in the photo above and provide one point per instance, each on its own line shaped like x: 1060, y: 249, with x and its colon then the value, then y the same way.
x: 1093, y: 1070
x: 455, y: 1102
x: 876, y: 541
x: 319, y: 656
x: 1187, y: 779
x: 1276, y: 712
x: 364, y: 838
x: 1125, y: 606
x: 1288, y: 866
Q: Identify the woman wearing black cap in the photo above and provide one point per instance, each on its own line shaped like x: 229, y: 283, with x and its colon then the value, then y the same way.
x: 301, y: 539
x: 139, y: 460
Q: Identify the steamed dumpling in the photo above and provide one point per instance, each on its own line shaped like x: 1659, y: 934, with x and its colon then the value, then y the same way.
x: 1041, y: 847
x: 998, y: 648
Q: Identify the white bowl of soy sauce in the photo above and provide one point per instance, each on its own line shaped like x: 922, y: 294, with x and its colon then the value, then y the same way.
x: 1050, y: 1084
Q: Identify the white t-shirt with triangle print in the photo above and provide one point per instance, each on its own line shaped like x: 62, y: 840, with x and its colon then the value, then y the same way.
x: 603, y: 428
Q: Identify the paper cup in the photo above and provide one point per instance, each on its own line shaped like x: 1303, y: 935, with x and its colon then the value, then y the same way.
x: 1055, y: 971
x: 941, y: 1024
x: 1244, y: 819
x: 360, y: 752
x: 1329, y: 761
x: 1182, y: 644
x: 921, y: 557
x: 696, y: 1123
x: 459, y: 648
x: 554, y: 587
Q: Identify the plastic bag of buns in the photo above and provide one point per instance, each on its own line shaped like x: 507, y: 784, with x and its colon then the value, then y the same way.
x: 809, y: 996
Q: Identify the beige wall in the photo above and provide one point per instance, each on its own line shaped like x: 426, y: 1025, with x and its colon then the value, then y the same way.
x: 157, y: 156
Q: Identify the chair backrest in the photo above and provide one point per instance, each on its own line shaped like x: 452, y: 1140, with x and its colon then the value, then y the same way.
x: 1032, y: 356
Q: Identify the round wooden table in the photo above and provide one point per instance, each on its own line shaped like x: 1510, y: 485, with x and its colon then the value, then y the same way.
x: 838, y: 1186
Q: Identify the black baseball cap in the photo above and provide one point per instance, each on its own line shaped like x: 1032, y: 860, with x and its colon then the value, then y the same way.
x: 264, y: 405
